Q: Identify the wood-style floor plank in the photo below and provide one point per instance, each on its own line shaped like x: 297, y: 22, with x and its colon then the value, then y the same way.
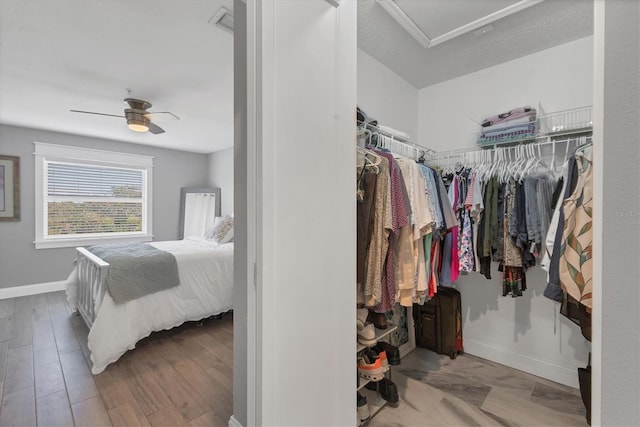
x: 48, y: 372
x: 91, y: 413
x: 167, y: 416
x: 128, y: 414
x: 43, y: 337
x: 18, y: 409
x: 80, y: 383
x: 214, y: 345
x: 60, y: 319
x: 5, y: 328
x: 213, y: 395
x: 81, y: 332
x: 6, y: 318
x: 177, y: 389
x: 222, y: 374
x: 4, y: 352
x: 21, y: 334
x: 19, y: 371
x: 142, y: 383
x: 54, y: 410
x: 210, y: 419
x: 113, y: 387
x: 181, y: 347
x: 6, y: 307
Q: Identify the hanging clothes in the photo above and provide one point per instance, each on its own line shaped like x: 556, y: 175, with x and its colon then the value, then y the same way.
x: 553, y: 290
x: 576, y: 251
x: 379, y: 240
x: 366, y: 182
x: 488, y: 228
x: 400, y: 214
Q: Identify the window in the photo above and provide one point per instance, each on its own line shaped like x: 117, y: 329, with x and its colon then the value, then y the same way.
x: 86, y: 196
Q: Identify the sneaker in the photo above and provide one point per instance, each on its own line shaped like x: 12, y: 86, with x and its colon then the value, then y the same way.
x: 363, y: 408
x: 387, y: 389
x: 361, y: 318
x: 371, y: 370
x: 382, y: 355
x: 367, y: 336
x: 393, y: 352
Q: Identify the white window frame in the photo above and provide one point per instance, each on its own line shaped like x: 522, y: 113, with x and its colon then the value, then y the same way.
x: 63, y: 153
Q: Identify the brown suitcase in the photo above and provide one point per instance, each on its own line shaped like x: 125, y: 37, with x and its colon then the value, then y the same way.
x: 438, y: 323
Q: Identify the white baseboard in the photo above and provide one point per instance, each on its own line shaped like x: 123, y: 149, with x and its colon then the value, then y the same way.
x: 542, y: 368
x: 39, y: 288
x: 233, y: 422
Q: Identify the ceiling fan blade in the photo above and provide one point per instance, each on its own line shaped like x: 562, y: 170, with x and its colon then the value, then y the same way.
x: 158, y: 116
x: 155, y: 129
x: 97, y: 114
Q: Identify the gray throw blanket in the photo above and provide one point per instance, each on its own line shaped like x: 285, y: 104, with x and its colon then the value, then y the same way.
x: 136, y: 270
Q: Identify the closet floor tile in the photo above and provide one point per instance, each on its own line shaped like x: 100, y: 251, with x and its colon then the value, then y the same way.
x: 556, y: 399
x: 438, y: 391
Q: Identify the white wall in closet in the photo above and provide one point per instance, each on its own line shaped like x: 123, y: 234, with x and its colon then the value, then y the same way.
x: 559, y: 78
x: 518, y: 332
x: 387, y: 97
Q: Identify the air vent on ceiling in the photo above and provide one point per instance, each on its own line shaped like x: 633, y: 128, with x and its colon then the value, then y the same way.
x: 223, y: 19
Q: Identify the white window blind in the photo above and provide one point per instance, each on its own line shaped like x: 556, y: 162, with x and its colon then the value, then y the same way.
x: 85, y: 199
x: 86, y: 196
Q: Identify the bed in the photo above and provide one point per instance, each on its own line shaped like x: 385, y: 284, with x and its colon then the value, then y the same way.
x: 205, y: 270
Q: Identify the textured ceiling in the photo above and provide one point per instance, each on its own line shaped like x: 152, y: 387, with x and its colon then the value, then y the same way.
x: 547, y: 24
x: 451, y: 14
x: 84, y: 54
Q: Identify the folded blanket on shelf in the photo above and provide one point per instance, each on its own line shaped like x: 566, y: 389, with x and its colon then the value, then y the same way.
x: 516, y: 113
x: 526, y: 130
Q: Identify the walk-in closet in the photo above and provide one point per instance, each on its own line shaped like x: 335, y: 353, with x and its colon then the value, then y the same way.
x: 474, y: 177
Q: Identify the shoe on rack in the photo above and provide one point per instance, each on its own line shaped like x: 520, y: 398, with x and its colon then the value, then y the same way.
x: 361, y: 318
x: 371, y: 370
x: 367, y: 336
x: 379, y: 320
x: 374, y: 354
x: 393, y: 352
x: 363, y: 408
x: 387, y: 389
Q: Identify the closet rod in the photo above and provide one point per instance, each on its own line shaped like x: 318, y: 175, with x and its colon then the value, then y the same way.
x: 396, y: 138
x: 549, y: 141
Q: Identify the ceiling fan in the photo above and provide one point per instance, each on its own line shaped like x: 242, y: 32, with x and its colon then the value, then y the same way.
x: 138, y: 118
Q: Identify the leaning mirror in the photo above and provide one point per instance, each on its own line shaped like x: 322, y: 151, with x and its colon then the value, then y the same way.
x: 199, y: 206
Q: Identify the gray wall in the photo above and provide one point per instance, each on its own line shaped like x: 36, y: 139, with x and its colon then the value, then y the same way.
x: 21, y: 264
x: 221, y: 175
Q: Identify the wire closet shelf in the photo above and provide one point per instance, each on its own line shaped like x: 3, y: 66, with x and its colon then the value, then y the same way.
x: 393, y: 142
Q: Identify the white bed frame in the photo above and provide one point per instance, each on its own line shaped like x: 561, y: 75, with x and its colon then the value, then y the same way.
x: 92, y: 272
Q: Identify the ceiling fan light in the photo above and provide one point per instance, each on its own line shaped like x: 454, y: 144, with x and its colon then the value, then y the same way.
x: 137, y: 125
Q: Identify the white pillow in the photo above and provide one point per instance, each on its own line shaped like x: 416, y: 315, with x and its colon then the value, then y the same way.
x: 222, y: 231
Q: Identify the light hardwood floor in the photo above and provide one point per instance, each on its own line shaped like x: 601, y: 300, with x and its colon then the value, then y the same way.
x: 173, y: 378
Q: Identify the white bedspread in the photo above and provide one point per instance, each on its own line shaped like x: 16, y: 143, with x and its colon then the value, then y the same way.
x: 206, y: 289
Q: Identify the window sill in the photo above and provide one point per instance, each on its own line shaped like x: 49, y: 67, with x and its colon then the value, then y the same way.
x: 74, y: 242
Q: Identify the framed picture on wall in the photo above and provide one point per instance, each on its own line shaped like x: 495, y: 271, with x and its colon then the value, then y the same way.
x: 9, y: 188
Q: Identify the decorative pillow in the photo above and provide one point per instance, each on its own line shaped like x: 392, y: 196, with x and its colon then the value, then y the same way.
x: 222, y: 231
